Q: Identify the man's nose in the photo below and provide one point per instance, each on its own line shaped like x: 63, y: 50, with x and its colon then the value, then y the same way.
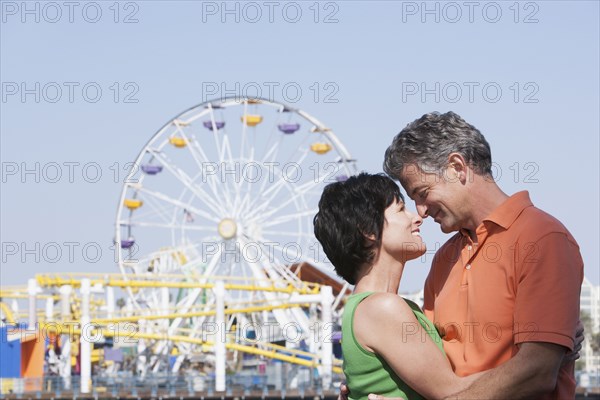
x: 422, y: 210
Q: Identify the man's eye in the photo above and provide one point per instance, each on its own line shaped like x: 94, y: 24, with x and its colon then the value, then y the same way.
x: 423, y: 194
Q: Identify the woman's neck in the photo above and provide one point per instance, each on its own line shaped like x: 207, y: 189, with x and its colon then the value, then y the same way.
x: 383, y: 276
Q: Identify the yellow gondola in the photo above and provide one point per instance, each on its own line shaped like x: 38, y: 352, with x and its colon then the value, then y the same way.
x: 133, y: 204
x: 178, y: 142
x: 251, y: 120
x: 320, y: 148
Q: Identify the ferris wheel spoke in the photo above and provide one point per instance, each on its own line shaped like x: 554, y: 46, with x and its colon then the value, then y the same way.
x: 194, y: 293
x: 227, y: 164
x: 296, y: 195
x: 313, y: 182
x: 300, y: 191
x: 182, y: 176
x: 215, y: 131
x: 274, y: 133
x: 226, y: 150
x: 154, y: 211
x: 244, y: 182
x: 188, y: 183
x: 179, y: 204
x: 302, y: 148
x: 244, y: 129
x: 225, y: 158
x: 199, y: 157
x: 273, y: 191
x: 270, y: 161
x: 157, y: 209
x: 223, y: 149
x: 273, y: 266
x: 282, y: 179
x: 244, y: 206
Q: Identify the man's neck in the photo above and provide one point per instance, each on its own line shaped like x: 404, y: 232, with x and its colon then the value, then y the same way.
x: 485, y: 196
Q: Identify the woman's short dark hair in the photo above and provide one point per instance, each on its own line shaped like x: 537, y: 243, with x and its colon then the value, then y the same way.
x: 350, y: 211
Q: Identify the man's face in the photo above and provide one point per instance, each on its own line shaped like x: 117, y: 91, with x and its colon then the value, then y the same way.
x: 441, y: 197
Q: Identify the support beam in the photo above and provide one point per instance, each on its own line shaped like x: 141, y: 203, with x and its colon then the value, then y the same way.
x: 32, y: 292
x: 86, y: 333
x: 220, y: 350
x: 327, y: 300
x: 65, y: 338
x: 110, y: 302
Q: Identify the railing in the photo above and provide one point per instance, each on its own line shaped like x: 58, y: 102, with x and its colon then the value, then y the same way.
x: 290, y: 382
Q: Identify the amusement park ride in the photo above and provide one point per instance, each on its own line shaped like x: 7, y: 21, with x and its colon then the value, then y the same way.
x: 213, y: 234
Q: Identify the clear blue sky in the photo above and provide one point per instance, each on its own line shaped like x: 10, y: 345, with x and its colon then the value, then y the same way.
x: 526, y: 74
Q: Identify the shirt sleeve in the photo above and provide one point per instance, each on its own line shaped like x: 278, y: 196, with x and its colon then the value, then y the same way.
x: 550, y: 272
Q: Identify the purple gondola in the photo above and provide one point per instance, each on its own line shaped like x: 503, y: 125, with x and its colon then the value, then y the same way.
x: 209, y: 125
x: 288, y: 128
x: 341, y: 178
x: 128, y: 243
x: 151, y: 169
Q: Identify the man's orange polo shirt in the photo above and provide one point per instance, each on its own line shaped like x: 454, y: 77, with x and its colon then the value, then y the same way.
x: 520, y: 283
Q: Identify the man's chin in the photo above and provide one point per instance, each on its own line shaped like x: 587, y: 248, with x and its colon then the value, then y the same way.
x: 447, y: 229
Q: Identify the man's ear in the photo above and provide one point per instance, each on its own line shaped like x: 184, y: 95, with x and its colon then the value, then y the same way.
x: 458, y: 168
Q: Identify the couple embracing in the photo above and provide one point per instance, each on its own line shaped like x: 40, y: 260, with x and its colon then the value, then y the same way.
x: 501, y: 301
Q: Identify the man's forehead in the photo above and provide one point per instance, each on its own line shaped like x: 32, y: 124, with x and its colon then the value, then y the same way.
x: 413, y: 178
x: 411, y: 174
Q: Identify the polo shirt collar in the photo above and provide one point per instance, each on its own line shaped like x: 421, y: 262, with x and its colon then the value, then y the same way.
x: 505, y: 214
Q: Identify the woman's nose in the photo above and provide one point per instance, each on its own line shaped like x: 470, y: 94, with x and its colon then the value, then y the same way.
x: 418, y: 220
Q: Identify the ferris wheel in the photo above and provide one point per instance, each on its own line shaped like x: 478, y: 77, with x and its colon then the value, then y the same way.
x: 227, y: 188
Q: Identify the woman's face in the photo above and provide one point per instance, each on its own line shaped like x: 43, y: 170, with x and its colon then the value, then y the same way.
x: 401, y: 237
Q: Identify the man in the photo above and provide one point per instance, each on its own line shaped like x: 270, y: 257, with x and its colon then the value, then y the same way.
x: 504, y: 290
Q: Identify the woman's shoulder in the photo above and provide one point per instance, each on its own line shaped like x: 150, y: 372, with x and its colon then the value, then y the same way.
x: 385, y: 306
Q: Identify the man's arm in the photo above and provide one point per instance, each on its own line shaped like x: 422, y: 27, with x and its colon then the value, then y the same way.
x: 533, y: 371
x: 574, y: 355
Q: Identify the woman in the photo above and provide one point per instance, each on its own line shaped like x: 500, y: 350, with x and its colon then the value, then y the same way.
x: 389, y: 346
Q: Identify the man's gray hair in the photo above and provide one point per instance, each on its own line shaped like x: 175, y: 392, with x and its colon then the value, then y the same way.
x: 428, y: 141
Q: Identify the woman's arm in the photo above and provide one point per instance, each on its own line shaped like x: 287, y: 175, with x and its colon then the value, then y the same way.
x: 386, y: 325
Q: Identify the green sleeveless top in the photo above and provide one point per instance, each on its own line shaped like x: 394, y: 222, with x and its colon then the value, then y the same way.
x: 367, y: 372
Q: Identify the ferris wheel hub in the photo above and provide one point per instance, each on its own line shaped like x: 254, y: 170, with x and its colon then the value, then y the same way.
x: 227, y: 228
